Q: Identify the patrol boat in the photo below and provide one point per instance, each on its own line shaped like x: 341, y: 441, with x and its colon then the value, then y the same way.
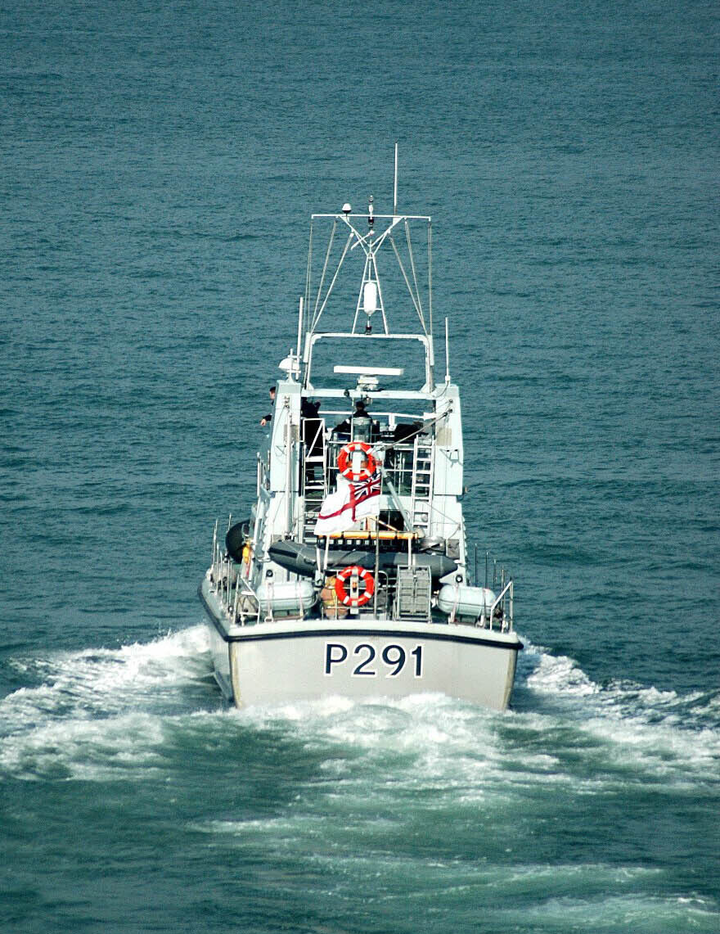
x: 352, y: 575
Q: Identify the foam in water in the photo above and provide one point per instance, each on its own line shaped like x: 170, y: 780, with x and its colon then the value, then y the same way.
x: 656, y: 732
x: 100, y: 711
x: 358, y: 779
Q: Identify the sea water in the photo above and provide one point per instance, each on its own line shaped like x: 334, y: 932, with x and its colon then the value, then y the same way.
x: 159, y: 164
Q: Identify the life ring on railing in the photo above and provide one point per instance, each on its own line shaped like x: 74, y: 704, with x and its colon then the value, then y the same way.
x: 345, y: 459
x: 362, y: 574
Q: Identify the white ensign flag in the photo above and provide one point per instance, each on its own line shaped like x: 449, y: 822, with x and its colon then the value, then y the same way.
x: 350, y: 502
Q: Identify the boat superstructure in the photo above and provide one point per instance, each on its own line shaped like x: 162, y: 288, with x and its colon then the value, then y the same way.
x: 351, y: 576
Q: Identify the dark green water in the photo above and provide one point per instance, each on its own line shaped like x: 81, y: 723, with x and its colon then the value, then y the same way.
x: 159, y: 165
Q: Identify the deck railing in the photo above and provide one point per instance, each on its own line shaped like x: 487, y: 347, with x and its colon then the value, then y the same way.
x: 505, y: 601
x: 233, y: 590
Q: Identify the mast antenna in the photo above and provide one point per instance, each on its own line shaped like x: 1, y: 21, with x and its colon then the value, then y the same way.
x: 395, y: 182
x: 300, y: 327
x: 447, y: 353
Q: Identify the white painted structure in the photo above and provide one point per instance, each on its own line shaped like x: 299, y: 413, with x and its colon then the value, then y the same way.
x: 280, y: 629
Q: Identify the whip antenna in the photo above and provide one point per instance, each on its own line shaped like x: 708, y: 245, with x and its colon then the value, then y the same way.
x: 395, y: 182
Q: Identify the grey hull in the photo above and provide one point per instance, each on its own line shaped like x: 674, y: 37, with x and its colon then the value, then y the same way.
x: 310, y: 659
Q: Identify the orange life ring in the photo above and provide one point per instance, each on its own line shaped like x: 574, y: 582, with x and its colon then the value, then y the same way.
x: 345, y: 461
x: 367, y: 579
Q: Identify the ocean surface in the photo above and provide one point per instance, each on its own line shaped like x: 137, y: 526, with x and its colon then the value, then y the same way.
x: 159, y: 163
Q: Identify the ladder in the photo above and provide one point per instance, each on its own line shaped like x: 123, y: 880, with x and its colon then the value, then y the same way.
x: 314, y: 475
x: 422, y: 484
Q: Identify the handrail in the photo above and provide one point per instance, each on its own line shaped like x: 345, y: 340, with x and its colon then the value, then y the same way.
x: 371, y: 535
x: 506, y: 588
x: 230, y: 585
x: 243, y: 588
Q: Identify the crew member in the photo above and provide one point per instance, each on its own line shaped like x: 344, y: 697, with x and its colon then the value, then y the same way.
x: 266, y: 419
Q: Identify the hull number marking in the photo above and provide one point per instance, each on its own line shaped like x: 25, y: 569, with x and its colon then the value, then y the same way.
x: 364, y: 660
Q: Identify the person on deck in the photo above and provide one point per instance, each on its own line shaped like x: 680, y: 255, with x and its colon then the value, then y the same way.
x: 360, y: 412
x: 266, y: 419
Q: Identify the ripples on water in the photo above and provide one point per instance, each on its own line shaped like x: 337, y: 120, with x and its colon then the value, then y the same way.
x: 375, y: 812
x: 159, y: 166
